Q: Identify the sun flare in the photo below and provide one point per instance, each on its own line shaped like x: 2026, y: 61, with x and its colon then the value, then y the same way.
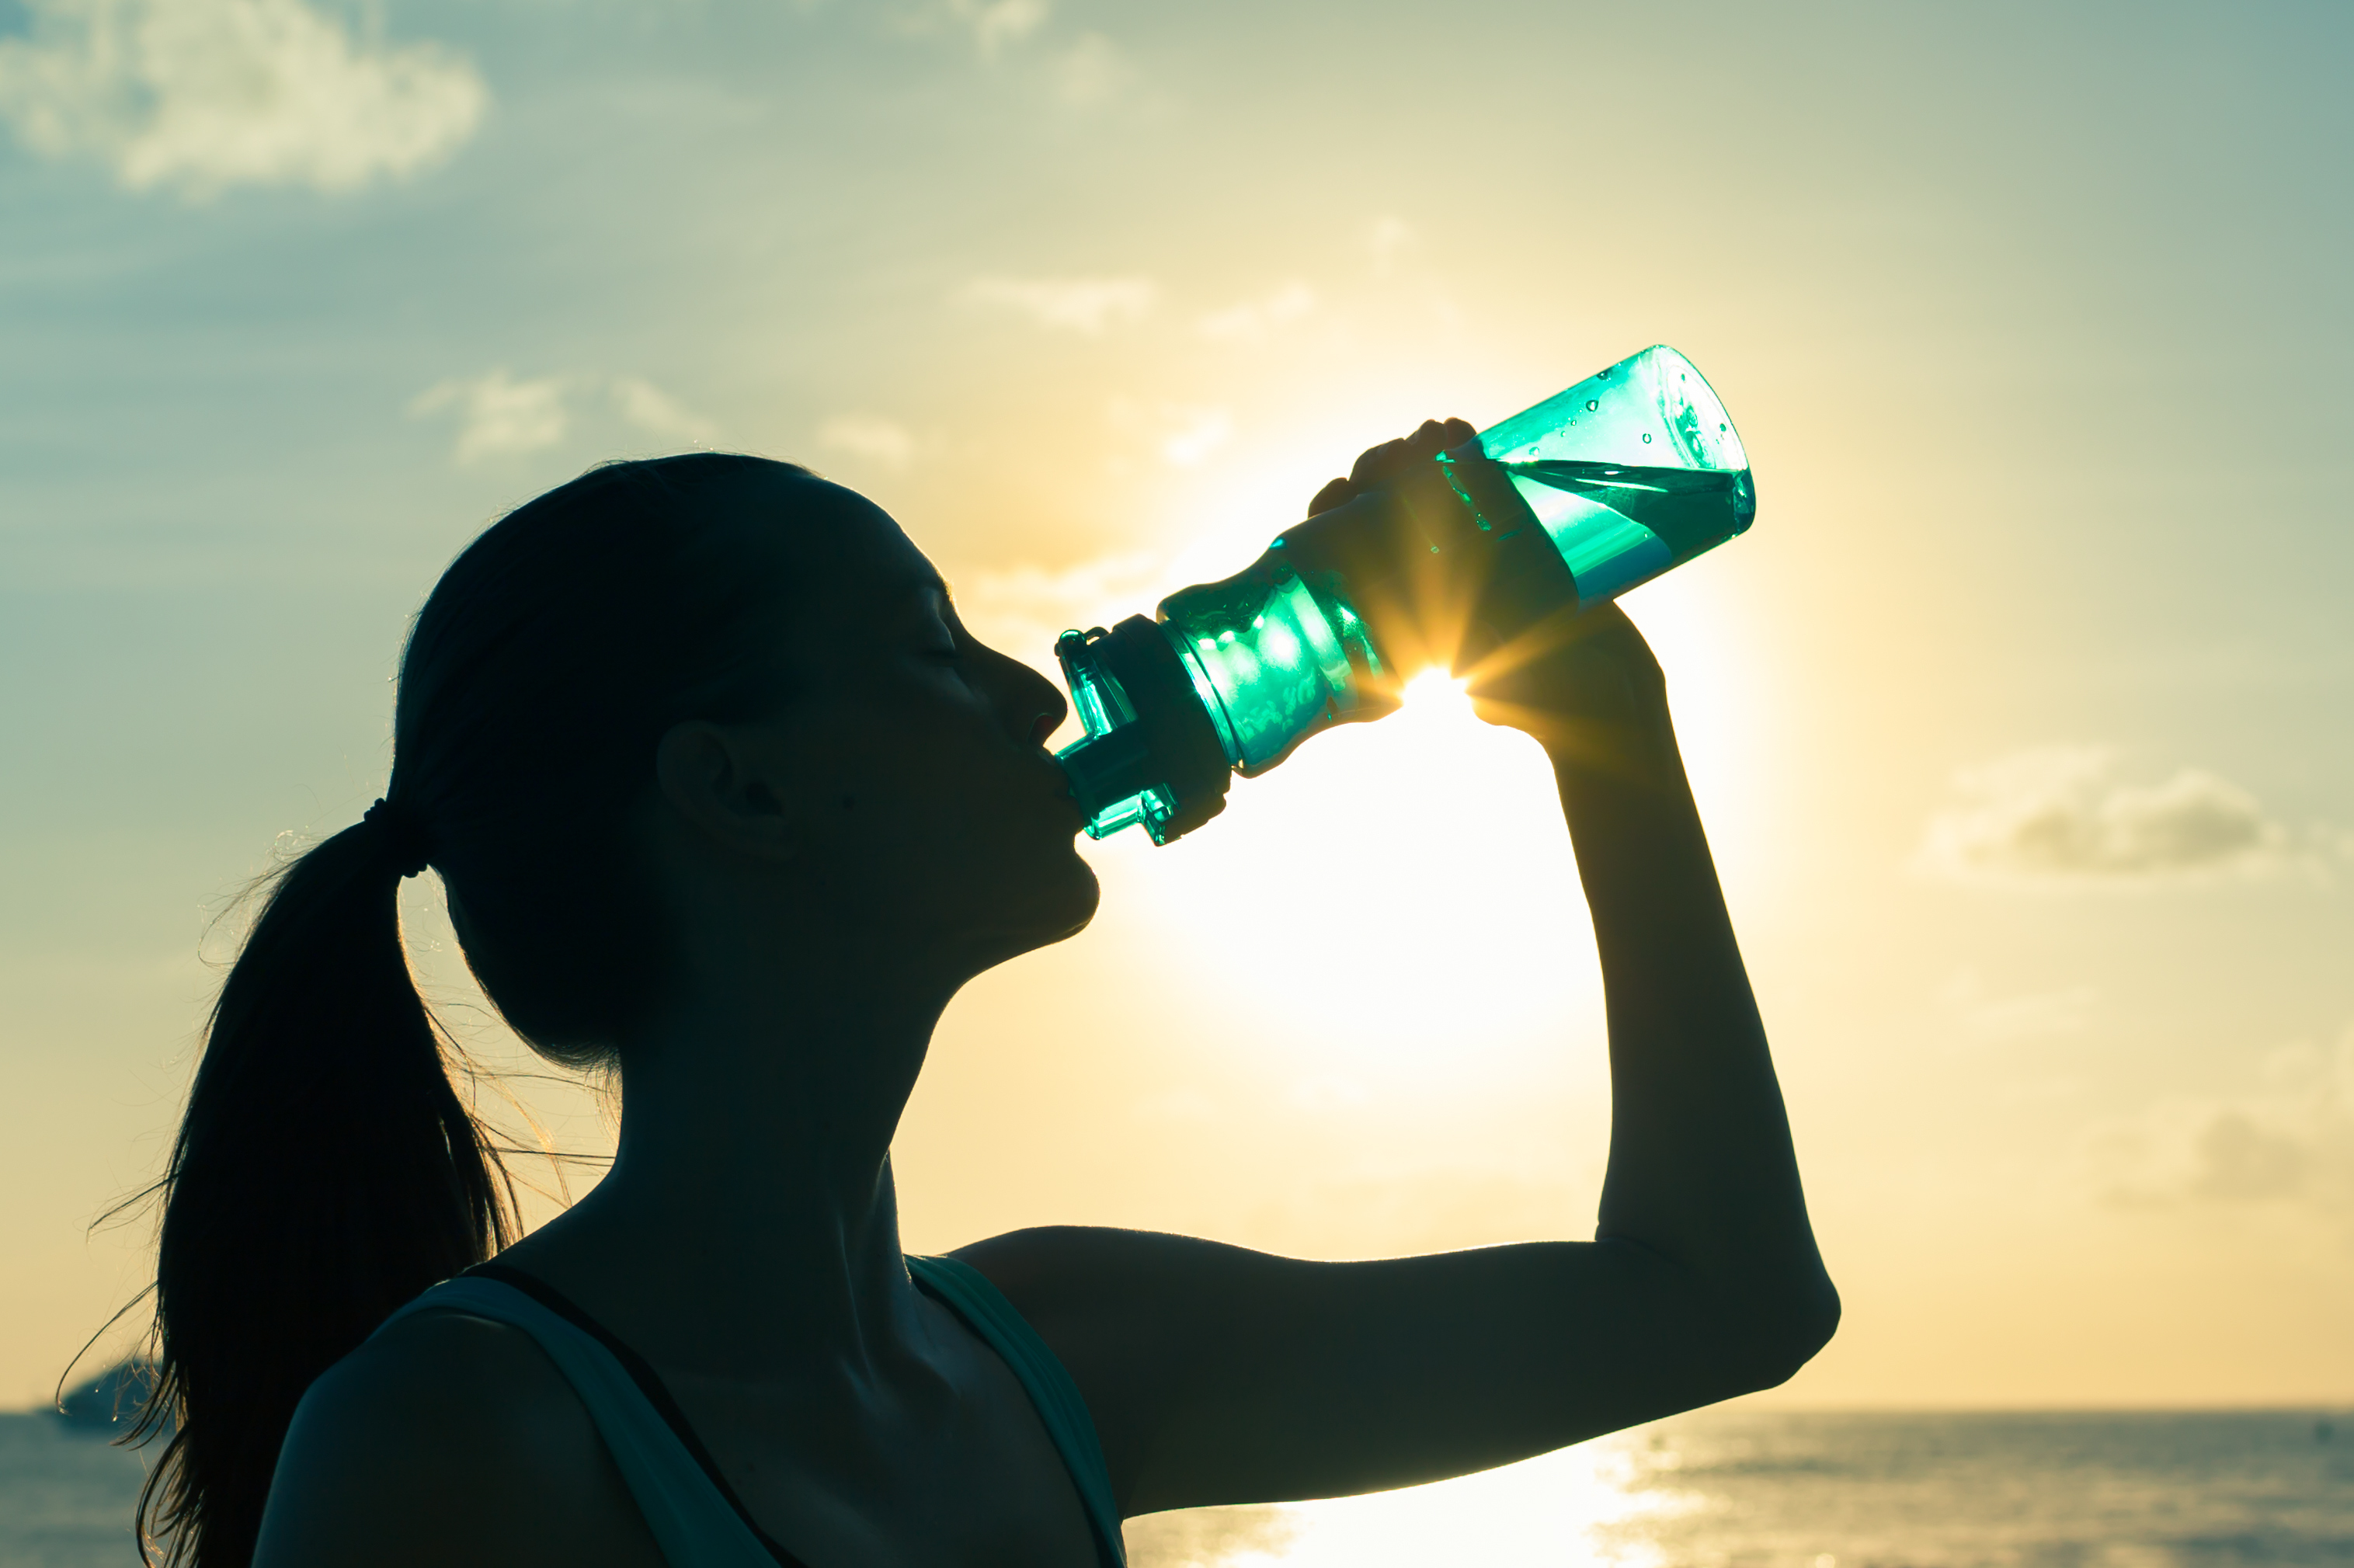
x: 1436, y: 695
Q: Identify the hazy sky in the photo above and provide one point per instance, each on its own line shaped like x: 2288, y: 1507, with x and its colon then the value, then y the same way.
x: 2024, y: 719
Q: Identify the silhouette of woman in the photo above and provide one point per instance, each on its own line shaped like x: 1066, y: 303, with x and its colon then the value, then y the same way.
x: 724, y: 795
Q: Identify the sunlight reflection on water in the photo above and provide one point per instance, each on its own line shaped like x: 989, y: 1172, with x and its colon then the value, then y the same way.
x: 1758, y: 1489
x: 1577, y: 1506
x: 1586, y: 1504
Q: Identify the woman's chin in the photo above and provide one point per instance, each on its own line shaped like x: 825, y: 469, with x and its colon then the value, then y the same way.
x: 1080, y: 900
x: 1062, y: 910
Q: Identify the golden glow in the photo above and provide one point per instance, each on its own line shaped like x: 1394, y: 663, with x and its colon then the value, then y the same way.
x: 1357, y: 1012
x: 1385, y: 862
x: 1602, y: 1502
x: 1435, y: 696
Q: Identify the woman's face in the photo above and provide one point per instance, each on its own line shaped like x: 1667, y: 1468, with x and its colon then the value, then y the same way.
x: 939, y: 820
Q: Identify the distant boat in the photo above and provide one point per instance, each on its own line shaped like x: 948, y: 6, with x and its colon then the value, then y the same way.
x: 108, y: 1405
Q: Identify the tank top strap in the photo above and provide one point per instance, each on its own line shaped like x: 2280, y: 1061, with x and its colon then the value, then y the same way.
x: 693, y: 1512
x: 695, y: 1515
x: 967, y: 1292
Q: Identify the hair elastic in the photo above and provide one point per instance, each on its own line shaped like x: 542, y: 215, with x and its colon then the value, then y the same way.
x: 401, y: 833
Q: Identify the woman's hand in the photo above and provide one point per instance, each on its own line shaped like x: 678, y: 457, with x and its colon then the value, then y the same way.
x: 1585, y: 685
x: 1376, y: 465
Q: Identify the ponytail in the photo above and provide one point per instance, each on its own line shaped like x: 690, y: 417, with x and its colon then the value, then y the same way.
x: 325, y: 1172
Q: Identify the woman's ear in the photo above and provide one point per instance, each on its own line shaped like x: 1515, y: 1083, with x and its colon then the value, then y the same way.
x: 729, y: 784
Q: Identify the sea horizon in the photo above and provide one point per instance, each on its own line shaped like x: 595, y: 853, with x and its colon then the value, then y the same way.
x: 1729, y: 1487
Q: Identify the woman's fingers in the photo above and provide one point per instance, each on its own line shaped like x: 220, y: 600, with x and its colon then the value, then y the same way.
x: 1338, y: 493
x: 1433, y: 437
x: 1384, y: 462
x: 1375, y: 464
x: 1570, y: 673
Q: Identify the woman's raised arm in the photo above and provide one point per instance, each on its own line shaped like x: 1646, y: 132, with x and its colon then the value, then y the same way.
x: 1217, y: 1375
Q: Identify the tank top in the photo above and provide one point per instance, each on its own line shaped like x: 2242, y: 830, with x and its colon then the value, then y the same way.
x: 695, y: 1516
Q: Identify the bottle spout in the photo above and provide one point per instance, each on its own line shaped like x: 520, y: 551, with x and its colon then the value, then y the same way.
x: 1151, y: 755
x: 1109, y: 773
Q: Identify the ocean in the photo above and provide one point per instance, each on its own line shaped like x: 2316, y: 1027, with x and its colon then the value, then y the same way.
x: 1717, y: 1489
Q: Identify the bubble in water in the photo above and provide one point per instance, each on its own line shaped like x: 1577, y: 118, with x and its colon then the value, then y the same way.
x: 1592, y: 404
x: 1647, y: 437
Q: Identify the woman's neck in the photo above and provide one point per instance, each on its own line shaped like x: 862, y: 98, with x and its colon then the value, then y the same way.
x: 750, y: 1204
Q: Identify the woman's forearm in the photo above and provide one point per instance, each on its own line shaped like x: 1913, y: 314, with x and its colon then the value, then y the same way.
x: 1702, y: 1169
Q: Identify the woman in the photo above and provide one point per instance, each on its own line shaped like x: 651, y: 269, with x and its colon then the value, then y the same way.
x: 724, y: 795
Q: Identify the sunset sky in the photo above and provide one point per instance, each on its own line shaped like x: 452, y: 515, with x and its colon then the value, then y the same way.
x: 2022, y: 720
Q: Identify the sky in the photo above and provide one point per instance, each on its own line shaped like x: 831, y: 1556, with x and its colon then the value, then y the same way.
x: 2020, y: 719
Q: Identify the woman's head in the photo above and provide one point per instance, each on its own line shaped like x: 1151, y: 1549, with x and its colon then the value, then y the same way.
x: 665, y: 708
x: 588, y: 662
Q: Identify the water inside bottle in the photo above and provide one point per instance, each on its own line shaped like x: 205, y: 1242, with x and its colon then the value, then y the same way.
x: 1618, y: 524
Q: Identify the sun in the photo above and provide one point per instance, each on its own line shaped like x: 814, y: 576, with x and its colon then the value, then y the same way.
x: 1437, y: 696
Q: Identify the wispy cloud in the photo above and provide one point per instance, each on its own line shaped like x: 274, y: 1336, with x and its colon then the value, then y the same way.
x: 1022, y: 609
x: 1085, y: 305
x: 865, y: 436
x: 991, y: 24
x: 656, y: 412
x: 1181, y: 434
x: 2289, y: 1142
x: 1093, y: 70
x: 1198, y: 433
x: 2056, y: 815
x: 498, y: 416
x: 200, y: 95
x: 2029, y: 1015
x: 1388, y: 240
x: 501, y: 416
x: 1253, y: 320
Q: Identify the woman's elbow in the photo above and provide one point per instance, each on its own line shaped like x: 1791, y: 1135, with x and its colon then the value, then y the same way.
x: 1778, y: 1338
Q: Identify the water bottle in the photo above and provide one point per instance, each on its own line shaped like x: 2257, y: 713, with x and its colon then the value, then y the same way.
x: 1565, y: 506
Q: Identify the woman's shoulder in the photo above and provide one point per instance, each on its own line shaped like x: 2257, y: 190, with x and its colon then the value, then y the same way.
x: 453, y: 1439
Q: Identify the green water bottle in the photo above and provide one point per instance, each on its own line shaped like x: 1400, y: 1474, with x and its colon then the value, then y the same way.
x: 1560, y: 508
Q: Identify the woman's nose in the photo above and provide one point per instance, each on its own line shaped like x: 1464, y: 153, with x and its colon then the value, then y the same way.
x: 1032, y: 705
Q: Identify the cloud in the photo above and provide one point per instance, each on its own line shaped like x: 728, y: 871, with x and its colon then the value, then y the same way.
x: 1091, y: 71
x: 1199, y: 433
x: 1085, y: 305
x: 500, y: 417
x: 1253, y: 320
x: 653, y: 411
x: 2053, y: 815
x: 2290, y: 1143
x: 1206, y: 1537
x: 862, y: 435
x: 1181, y: 434
x: 204, y: 94
x: 1022, y: 609
x: 992, y: 22
x: 1390, y: 237
x: 2029, y: 1016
